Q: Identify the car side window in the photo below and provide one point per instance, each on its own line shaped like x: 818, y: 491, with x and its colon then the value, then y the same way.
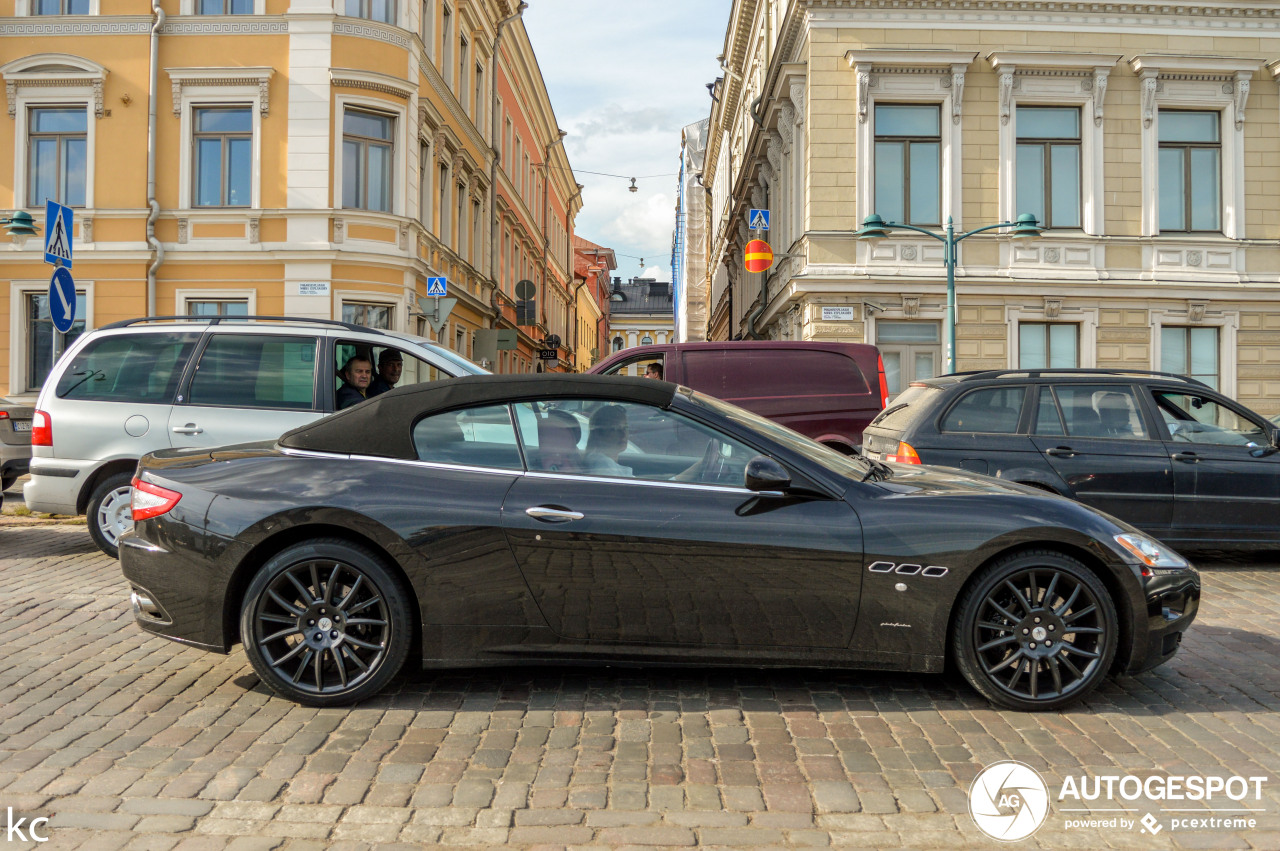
x: 1048, y: 420
x: 472, y: 437
x: 1101, y: 410
x: 594, y: 437
x: 635, y: 366
x: 412, y: 370
x: 1192, y: 418
x: 256, y: 371
x: 128, y: 368
x: 991, y: 410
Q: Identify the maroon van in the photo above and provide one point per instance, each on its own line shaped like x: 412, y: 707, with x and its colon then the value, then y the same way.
x: 828, y: 391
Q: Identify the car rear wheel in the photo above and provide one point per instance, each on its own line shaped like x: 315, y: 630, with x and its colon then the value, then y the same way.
x: 325, y: 623
x: 110, y: 512
x: 1037, y: 631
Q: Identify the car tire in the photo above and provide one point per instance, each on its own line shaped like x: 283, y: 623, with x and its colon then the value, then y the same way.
x: 326, y: 623
x: 109, y: 512
x: 1036, y: 631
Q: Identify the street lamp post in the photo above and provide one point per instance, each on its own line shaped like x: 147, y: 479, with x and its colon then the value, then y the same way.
x: 874, y: 229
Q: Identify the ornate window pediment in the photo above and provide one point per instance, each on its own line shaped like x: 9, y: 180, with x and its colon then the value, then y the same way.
x: 53, y: 71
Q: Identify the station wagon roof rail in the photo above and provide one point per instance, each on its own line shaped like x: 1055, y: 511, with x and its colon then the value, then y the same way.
x: 977, y: 375
x: 215, y: 320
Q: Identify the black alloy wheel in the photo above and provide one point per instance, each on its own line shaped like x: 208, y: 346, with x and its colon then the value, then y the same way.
x: 1037, y: 631
x: 325, y: 623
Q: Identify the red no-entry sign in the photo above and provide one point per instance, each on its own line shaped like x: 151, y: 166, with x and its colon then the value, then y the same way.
x: 758, y: 256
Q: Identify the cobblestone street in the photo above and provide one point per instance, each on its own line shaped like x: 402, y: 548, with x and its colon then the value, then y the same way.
x: 125, y: 740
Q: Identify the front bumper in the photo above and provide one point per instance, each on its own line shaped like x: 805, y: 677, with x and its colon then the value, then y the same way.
x: 1172, y: 601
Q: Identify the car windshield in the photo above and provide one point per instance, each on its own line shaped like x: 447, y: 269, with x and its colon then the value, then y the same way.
x: 468, y: 367
x: 854, y: 466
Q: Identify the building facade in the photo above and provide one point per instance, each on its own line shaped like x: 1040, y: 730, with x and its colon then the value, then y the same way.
x: 1144, y: 137
x: 689, y: 244
x: 593, y: 265
x: 313, y: 158
x: 641, y: 313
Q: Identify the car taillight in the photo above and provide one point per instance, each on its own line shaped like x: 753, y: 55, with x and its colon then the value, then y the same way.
x: 151, y: 500
x: 4, y: 415
x: 884, y: 384
x: 905, y: 454
x: 41, y: 429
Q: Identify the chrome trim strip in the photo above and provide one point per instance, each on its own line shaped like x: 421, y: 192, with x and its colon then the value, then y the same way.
x: 647, y: 482
x: 436, y: 465
x: 307, y: 453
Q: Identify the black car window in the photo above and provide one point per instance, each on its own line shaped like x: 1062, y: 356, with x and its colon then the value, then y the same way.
x: 906, y: 405
x: 597, y: 437
x: 256, y: 371
x: 1048, y: 420
x: 1192, y: 418
x: 991, y: 410
x: 473, y: 437
x: 128, y: 368
x: 1101, y: 410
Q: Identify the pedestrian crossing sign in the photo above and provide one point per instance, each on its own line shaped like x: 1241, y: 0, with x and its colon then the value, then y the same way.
x: 57, y: 234
x: 437, y: 286
x: 759, y: 219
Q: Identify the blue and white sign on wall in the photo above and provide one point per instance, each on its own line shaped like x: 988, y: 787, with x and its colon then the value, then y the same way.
x: 62, y: 300
x: 57, y: 234
x: 437, y: 286
x: 758, y: 219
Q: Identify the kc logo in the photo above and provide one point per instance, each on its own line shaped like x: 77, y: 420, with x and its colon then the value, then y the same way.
x: 1008, y: 801
x: 13, y: 830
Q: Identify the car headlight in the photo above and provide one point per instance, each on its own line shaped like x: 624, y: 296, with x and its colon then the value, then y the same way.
x: 1151, y: 554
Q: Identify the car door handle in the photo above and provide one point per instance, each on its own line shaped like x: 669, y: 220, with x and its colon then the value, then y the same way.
x: 553, y: 515
x: 189, y: 428
x: 1061, y: 452
x: 1188, y: 457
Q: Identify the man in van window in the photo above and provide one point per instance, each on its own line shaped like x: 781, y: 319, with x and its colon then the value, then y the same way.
x: 654, y: 370
x: 390, y: 368
x: 356, y: 374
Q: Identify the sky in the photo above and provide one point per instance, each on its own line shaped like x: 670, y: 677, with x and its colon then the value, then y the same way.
x: 624, y: 78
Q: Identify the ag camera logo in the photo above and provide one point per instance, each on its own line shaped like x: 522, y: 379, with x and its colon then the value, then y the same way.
x: 1008, y: 800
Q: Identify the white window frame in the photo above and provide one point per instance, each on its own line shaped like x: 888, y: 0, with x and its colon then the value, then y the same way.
x: 340, y: 9
x: 910, y: 77
x: 18, y: 292
x: 182, y: 297
x: 1055, y: 79
x: 201, y: 87
x: 1086, y: 340
x: 188, y: 7
x: 23, y: 8
x: 398, y: 307
x: 400, y: 138
x: 1195, y: 83
x: 1228, y: 324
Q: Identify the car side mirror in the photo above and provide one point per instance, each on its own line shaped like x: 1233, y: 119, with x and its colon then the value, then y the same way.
x: 765, y: 474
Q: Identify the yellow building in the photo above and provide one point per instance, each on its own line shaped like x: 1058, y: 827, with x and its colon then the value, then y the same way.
x: 1144, y: 137
x: 641, y: 313
x: 267, y: 157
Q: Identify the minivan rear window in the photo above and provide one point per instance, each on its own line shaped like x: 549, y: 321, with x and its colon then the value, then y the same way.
x: 903, y: 409
x: 128, y: 368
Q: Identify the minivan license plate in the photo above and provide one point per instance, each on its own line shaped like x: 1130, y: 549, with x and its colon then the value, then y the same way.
x: 22, y: 425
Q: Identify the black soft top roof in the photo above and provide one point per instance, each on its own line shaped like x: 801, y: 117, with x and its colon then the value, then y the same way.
x: 383, y: 425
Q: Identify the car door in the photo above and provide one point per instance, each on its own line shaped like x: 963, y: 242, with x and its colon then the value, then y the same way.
x: 247, y: 387
x: 1226, y: 478
x: 670, y: 549
x: 1098, y: 440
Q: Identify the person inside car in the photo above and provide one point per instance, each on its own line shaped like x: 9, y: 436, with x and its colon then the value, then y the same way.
x: 654, y: 370
x: 558, y: 436
x: 390, y: 368
x: 356, y: 375
x: 606, y: 440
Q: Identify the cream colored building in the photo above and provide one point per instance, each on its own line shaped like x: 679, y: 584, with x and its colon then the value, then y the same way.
x: 641, y: 313
x: 1144, y: 136
x: 313, y: 158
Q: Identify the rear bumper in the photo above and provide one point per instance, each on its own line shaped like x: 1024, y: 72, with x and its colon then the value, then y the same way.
x: 15, y: 459
x: 55, y: 484
x: 1172, y: 601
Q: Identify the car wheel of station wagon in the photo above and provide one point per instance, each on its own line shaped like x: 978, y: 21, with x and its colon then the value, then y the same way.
x: 324, y: 623
x: 1037, y: 631
x: 110, y: 512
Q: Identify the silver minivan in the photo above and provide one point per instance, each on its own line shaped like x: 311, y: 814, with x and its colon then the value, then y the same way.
x: 141, y: 385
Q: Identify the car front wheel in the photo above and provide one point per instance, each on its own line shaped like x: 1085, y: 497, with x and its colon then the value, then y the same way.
x: 324, y: 623
x: 110, y: 512
x: 1037, y: 631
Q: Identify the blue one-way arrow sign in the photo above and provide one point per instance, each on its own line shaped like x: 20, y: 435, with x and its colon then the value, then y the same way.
x: 437, y: 286
x: 57, y: 234
x: 62, y: 300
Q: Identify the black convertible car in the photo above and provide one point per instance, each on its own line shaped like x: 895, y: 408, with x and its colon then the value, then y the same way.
x: 495, y: 520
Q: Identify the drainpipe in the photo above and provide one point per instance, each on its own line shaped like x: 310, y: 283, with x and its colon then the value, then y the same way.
x: 494, y: 130
x: 153, y: 206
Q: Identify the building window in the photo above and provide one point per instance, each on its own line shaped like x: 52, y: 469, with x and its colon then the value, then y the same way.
x: 463, y: 64
x: 1048, y: 345
x: 461, y: 245
x: 56, y: 160
x: 1048, y: 177
x: 225, y: 7
x: 908, y: 165
x: 1191, y: 351
x: 1190, y: 171
x: 506, y: 146
x: 475, y: 233
x: 368, y: 315
x: 446, y: 42
x: 910, y: 350
x: 217, y: 308
x: 427, y: 25
x: 223, y: 141
x: 424, y: 185
x: 479, y: 89
x: 40, y: 333
x: 459, y: 335
x: 373, y: 10
x: 366, y: 160
x: 62, y: 7
x: 443, y: 206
